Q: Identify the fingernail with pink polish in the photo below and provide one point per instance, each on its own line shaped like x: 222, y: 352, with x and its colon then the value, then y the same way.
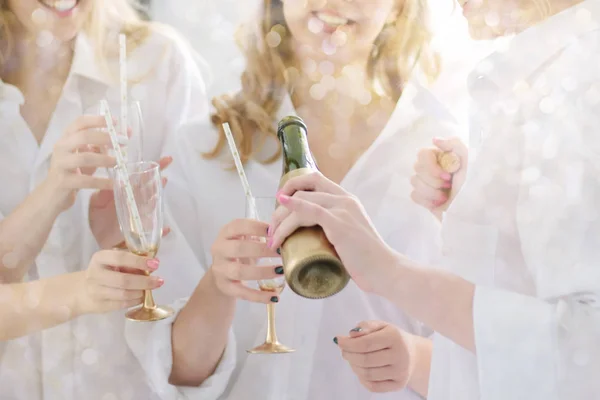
x: 445, y: 176
x: 447, y: 185
x: 269, y: 231
x: 270, y: 243
x: 152, y: 264
x: 159, y: 281
x: 283, y: 199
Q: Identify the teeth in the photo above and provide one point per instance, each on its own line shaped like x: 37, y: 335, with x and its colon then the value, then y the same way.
x: 61, y: 5
x: 332, y: 19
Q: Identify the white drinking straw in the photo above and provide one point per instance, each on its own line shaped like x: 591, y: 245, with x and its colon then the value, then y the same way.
x: 121, y: 170
x: 240, y: 169
x: 123, y: 79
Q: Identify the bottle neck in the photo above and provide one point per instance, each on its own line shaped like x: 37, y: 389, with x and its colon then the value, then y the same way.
x: 296, y: 153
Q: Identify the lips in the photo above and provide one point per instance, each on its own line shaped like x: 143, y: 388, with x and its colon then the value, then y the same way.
x: 60, y: 6
x: 328, y: 21
x: 331, y: 19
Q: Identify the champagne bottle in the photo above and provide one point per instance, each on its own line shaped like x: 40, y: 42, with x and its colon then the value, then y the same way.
x: 311, y: 265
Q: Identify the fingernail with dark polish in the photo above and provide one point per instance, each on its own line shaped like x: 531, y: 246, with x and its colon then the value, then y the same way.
x: 357, y: 329
x: 274, y: 299
x: 279, y: 251
x: 279, y: 270
x: 335, y: 340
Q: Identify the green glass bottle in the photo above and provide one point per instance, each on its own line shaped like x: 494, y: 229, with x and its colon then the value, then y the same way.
x: 312, y: 267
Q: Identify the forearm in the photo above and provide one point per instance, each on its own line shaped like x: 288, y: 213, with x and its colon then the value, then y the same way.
x: 440, y: 300
x: 33, y: 306
x: 200, y: 333
x: 24, y: 232
x: 419, y: 380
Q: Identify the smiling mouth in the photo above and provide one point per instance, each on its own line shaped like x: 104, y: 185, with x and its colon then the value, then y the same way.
x: 61, y: 6
x: 332, y: 20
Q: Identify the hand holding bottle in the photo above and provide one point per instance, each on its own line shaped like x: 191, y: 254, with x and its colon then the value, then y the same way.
x: 311, y: 200
x: 312, y: 267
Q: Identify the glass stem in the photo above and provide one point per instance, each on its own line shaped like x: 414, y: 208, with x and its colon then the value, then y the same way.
x: 271, y: 334
x: 149, y: 300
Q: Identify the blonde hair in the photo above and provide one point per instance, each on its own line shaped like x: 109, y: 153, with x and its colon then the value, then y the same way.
x: 400, y: 48
x: 104, y: 18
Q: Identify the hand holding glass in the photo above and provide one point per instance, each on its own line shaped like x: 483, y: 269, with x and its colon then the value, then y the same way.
x: 132, y: 145
x: 261, y: 210
x: 145, y: 181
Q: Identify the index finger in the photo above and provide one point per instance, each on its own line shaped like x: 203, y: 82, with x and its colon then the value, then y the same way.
x: 86, y: 122
x: 87, y: 137
x: 244, y: 227
x: 120, y: 258
x: 315, y: 182
x: 363, y: 344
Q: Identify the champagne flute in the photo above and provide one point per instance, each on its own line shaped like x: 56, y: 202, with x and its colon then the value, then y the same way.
x: 132, y: 146
x: 145, y: 181
x: 261, y: 210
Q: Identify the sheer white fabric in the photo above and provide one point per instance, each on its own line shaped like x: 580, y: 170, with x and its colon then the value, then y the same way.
x: 525, y: 226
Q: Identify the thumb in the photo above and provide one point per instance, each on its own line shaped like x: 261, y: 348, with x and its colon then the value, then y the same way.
x: 453, y: 144
x: 366, y: 327
x: 454, y: 154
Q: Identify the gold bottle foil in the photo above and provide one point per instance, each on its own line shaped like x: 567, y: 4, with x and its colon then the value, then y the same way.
x: 312, y: 266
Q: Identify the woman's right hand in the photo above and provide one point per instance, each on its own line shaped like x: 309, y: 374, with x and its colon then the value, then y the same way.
x: 234, y: 255
x: 434, y: 188
x: 114, y: 280
x: 77, y: 155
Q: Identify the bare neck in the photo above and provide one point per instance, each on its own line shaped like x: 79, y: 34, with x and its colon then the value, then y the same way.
x: 37, y: 61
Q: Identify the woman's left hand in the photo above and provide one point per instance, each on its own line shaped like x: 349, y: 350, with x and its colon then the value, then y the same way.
x: 315, y: 200
x: 381, y: 355
x: 103, y: 214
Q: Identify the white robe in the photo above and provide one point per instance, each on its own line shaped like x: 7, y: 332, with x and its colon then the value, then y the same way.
x: 525, y: 226
x: 203, y: 196
x: 89, y: 357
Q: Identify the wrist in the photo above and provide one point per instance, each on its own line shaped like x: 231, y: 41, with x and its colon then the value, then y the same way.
x: 55, y: 197
x: 385, y: 282
x: 80, y: 303
x: 209, y: 282
x: 422, y: 348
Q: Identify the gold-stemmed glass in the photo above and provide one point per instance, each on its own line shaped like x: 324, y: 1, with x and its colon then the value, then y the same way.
x: 144, y: 178
x: 262, y: 209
